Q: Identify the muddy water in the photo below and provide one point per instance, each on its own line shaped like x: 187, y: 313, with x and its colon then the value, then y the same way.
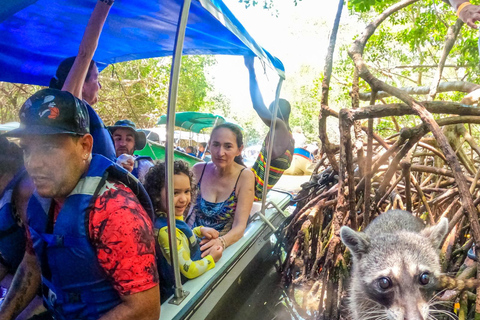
x: 270, y: 300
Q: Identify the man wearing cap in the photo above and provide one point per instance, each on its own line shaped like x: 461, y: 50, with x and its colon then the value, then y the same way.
x: 90, y: 238
x: 127, y: 139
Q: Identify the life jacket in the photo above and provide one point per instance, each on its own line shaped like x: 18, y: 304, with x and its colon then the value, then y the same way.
x: 102, y: 139
x: 138, y: 160
x: 75, y: 286
x: 12, y: 235
x: 165, y: 270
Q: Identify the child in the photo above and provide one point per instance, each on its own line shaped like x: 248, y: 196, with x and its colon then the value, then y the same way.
x: 191, y: 263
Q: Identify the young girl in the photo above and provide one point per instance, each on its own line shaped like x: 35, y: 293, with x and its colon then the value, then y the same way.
x: 191, y: 263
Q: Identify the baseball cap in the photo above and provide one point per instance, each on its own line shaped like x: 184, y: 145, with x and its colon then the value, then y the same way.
x: 51, y: 111
x: 140, y: 138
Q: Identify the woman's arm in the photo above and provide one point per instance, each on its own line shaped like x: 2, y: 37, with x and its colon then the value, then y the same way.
x: 78, y: 73
x: 245, y: 196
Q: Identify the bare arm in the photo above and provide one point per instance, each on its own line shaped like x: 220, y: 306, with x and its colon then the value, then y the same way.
x: 78, y: 73
x: 470, y: 14
x: 23, y: 289
x: 245, y: 196
x: 255, y: 94
x: 282, y: 134
x: 143, y: 305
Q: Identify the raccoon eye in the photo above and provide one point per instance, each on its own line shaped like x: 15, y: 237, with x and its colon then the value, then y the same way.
x: 424, y: 278
x: 385, y: 283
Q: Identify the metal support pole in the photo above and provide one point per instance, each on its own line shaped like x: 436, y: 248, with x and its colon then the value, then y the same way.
x: 270, y: 146
x: 179, y: 294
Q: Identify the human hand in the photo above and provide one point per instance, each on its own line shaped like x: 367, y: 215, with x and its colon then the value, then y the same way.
x: 470, y: 14
x: 249, y: 62
x: 126, y: 161
x: 206, y: 246
x: 216, y: 252
x: 209, y: 233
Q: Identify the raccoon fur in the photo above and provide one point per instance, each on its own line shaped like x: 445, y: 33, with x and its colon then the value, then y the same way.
x: 396, y: 267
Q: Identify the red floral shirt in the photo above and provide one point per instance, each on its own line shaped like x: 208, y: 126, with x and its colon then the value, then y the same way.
x: 122, y: 234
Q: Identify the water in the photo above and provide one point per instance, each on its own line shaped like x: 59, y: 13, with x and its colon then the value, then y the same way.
x: 270, y: 300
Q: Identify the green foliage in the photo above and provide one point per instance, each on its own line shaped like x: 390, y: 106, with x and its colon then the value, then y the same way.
x: 12, y: 97
x: 305, y: 110
x: 138, y: 90
x: 414, y: 36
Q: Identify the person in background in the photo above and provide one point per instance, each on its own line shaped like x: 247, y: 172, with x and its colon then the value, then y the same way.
x: 15, y: 190
x: 191, y: 151
x: 467, y: 12
x: 89, y: 93
x: 190, y: 261
x: 16, y: 187
x: 225, y: 189
x: 127, y: 139
x: 81, y: 206
x: 283, y: 142
x: 201, y: 149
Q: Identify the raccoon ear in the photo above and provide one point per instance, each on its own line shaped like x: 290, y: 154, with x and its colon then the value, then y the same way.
x: 357, y: 242
x: 436, y: 233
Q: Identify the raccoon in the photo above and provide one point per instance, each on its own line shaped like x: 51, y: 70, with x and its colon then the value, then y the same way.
x: 396, y: 267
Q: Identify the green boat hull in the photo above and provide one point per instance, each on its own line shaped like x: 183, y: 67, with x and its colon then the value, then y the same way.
x: 157, y: 152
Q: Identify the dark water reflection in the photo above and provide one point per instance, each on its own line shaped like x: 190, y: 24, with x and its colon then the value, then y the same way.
x: 270, y: 300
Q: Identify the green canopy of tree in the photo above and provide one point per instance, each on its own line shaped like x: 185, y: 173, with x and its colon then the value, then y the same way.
x: 136, y: 90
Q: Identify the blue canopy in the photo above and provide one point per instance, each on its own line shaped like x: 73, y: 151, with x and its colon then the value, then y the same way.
x: 35, y: 36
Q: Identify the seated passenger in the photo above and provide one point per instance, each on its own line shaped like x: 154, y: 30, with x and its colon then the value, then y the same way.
x: 225, y: 189
x: 191, y: 151
x: 127, y: 139
x: 201, y: 149
x: 15, y: 190
x: 191, y: 263
x: 283, y: 143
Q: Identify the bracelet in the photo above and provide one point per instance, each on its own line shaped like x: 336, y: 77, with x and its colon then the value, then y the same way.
x: 107, y: 2
x: 223, y: 241
x: 461, y: 7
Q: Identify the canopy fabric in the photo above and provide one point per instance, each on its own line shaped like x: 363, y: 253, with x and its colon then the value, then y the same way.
x: 35, y: 36
x: 194, y: 121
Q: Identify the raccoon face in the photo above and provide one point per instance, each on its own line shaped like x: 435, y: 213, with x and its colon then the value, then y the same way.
x: 395, y: 270
x: 399, y: 293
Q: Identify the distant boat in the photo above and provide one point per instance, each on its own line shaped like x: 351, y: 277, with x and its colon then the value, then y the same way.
x: 156, y: 151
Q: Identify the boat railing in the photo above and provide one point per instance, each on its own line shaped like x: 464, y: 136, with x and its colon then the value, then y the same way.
x: 204, y: 285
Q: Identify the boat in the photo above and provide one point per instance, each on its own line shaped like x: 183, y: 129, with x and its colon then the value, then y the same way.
x: 194, y: 121
x: 156, y: 151
x: 33, y: 41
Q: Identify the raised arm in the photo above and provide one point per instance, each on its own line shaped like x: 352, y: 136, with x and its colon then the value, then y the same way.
x: 255, y: 94
x: 469, y: 13
x: 78, y: 73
